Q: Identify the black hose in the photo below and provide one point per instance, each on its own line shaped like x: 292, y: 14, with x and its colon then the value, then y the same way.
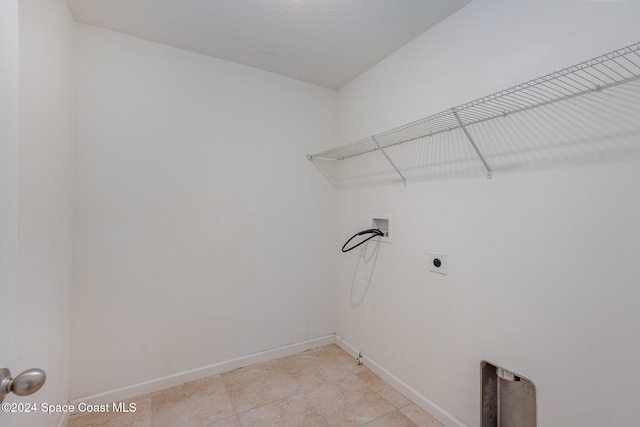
x: 374, y: 231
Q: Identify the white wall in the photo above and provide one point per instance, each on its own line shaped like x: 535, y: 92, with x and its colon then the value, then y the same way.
x: 202, y: 232
x: 44, y: 225
x: 542, y: 260
x: 9, y: 131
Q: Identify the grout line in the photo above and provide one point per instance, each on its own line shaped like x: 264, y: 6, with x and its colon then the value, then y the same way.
x: 230, y: 400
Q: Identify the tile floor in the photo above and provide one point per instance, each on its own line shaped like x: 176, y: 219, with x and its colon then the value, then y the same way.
x: 319, y: 387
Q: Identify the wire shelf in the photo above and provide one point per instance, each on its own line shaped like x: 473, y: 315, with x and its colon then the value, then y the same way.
x: 608, y: 70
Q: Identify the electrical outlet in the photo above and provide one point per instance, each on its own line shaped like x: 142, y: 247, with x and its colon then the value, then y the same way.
x: 438, y: 262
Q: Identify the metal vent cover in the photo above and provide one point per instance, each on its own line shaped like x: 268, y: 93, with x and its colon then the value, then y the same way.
x: 508, y: 399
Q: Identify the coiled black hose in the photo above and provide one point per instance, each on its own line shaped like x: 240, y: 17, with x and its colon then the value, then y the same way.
x: 373, y: 231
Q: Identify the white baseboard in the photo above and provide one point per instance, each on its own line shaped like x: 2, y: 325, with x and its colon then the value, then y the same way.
x: 158, y: 384
x: 196, y: 374
x: 348, y: 348
x: 409, y: 392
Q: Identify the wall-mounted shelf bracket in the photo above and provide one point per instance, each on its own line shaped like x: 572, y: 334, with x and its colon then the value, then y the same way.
x: 404, y: 181
x: 475, y: 147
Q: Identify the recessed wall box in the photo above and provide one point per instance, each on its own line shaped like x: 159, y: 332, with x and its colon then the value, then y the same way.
x: 382, y: 222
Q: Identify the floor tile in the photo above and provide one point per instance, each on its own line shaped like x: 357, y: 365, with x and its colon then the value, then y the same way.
x: 348, y: 402
x: 294, y: 411
x: 313, y: 367
x: 389, y: 393
x: 193, y: 404
x: 394, y: 419
x: 140, y: 418
x: 323, y: 387
x: 256, y: 386
x: 419, y: 416
x: 227, y: 422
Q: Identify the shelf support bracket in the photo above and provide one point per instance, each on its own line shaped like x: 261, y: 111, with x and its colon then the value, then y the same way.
x: 404, y: 181
x: 475, y: 147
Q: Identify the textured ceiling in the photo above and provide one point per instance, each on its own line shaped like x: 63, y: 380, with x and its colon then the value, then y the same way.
x: 326, y: 42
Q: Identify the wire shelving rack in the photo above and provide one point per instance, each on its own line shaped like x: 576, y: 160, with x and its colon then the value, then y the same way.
x: 597, y: 74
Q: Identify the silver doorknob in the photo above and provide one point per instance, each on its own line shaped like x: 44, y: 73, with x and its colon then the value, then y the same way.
x: 24, y: 384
